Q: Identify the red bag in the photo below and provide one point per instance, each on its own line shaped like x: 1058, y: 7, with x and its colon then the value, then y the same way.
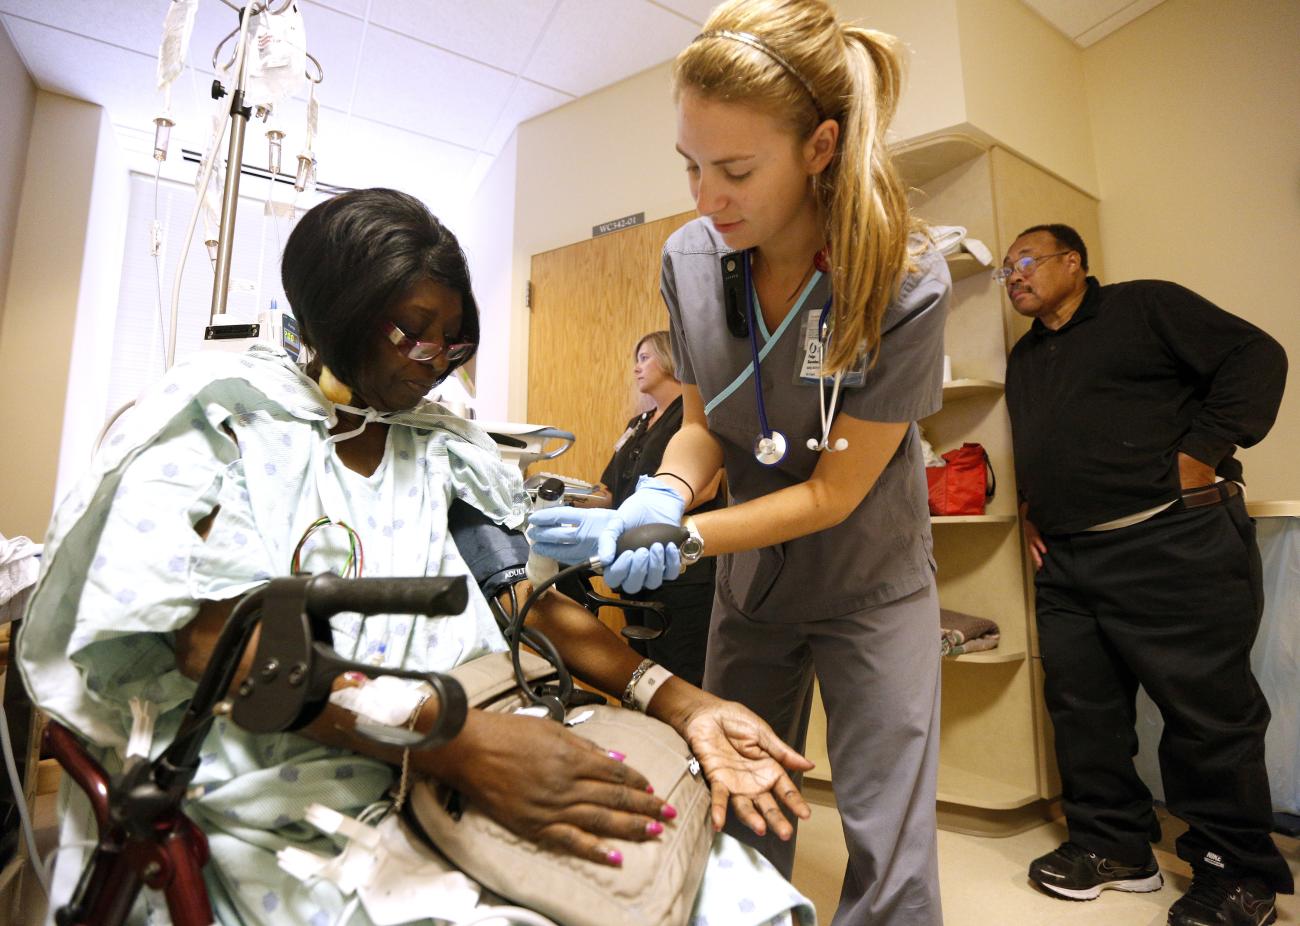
x: 964, y: 485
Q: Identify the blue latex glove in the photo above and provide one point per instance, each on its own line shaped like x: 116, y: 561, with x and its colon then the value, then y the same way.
x: 570, y: 535
x: 645, y: 567
x: 653, y: 502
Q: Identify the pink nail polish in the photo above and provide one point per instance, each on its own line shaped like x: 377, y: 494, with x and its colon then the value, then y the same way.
x: 654, y: 828
x: 357, y: 677
x: 614, y: 857
x: 649, y: 789
x: 669, y: 812
x: 616, y: 755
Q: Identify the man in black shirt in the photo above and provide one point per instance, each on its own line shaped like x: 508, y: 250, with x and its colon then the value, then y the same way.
x: 1127, y: 402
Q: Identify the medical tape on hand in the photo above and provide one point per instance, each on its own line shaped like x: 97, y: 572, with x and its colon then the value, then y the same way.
x: 386, y: 700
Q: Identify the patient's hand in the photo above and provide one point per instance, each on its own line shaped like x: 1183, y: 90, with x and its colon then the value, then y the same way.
x: 541, y: 782
x: 747, y: 765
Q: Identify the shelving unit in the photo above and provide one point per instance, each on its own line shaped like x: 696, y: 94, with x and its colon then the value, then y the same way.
x: 996, y: 773
x: 962, y: 265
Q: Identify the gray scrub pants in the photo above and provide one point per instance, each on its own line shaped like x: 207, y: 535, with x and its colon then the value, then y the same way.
x: 879, y: 676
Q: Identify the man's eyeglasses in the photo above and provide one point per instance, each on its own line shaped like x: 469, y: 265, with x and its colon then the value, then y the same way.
x: 1024, y: 265
x: 428, y: 351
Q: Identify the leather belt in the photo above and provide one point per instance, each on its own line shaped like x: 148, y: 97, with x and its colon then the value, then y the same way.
x: 1215, y: 494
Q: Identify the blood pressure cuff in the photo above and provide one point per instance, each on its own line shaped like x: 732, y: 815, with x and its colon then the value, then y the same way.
x: 496, y: 555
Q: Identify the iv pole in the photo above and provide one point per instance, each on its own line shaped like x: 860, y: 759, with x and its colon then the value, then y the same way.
x: 239, y: 115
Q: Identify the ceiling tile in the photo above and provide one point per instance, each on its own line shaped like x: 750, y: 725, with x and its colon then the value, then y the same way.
x: 355, y: 8
x: 527, y: 100
x: 1086, y: 21
x: 1115, y: 21
x: 591, y: 44
x: 134, y: 24
x: 408, y: 84
x: 697, y: 11
x: 1074, y: 16
x: 496, y: 32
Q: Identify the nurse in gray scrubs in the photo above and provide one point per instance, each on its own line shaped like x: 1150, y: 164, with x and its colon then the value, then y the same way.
x: 807, y: 318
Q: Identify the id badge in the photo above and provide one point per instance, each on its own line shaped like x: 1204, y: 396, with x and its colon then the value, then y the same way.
x: 812, y: 356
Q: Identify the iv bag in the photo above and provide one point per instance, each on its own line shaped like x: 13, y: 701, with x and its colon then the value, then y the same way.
x: 177, y: 28
x: 277, y: 57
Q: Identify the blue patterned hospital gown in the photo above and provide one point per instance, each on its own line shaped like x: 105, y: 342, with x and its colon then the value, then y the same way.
x: 124, y: 568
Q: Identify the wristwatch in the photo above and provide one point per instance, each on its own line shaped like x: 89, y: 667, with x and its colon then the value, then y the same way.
x: 692, y: 548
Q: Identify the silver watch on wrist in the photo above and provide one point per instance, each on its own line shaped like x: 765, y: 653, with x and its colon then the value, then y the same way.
x: 692, y: 548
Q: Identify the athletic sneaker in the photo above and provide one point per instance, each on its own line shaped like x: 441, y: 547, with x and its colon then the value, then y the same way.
x: 1220, y: 900
x: 1075, y: 873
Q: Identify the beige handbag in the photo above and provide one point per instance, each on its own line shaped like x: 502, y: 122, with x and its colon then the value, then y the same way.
x: 658, y: 881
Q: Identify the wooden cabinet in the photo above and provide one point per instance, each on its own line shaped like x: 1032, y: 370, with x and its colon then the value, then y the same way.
x: 996, y: 768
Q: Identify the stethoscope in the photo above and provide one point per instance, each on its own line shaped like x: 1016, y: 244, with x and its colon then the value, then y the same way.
x: 770, y: 447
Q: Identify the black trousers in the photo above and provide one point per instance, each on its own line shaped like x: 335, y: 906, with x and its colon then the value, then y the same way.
x: 1173, y: 604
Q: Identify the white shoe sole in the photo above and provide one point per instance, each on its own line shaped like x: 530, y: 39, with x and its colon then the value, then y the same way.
x: 1134, y: 886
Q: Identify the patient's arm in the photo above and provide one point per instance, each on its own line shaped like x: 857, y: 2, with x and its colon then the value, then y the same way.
x: 746, y: 763
x: 531, y: 775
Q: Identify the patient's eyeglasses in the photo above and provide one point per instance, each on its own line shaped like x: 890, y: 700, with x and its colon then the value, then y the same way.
x: 428, y: 351
x: 1024, y: 265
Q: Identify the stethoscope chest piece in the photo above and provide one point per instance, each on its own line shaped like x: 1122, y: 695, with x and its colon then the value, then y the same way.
x: 769, y: 449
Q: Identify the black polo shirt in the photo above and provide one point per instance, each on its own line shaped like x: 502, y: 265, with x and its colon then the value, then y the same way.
x: 1101, y: 407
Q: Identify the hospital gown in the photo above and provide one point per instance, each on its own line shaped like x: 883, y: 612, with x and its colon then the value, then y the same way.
x: 246, y: 435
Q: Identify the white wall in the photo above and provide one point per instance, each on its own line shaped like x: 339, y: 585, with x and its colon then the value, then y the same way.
x: 17, y: 103
x: 60, y: 299
x: 1194, y: 115
x: 85, y: 409
x: 488, y: 241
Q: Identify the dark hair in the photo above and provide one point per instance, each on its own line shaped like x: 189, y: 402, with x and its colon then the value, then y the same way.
x: 1066, y: 237
x: 351, y: 257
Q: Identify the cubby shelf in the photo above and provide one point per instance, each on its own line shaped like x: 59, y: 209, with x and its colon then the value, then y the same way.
x: 920, y: 161
x: 962, y: 265
x: 989, y: 656
x: 973, y: 519
x: 961, y: 388
x: 958, y: 786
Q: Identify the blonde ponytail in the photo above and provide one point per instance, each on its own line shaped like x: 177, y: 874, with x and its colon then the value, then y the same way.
x: 864, y: 200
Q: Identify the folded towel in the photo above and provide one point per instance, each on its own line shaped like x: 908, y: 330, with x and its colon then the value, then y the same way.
x: 950, y: 239
x: 965, y: 633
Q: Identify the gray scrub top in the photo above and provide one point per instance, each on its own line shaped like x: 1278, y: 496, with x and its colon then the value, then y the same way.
x: 883, y: 550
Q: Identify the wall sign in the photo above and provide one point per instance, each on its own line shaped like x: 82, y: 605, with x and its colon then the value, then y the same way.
x: 604, y: 228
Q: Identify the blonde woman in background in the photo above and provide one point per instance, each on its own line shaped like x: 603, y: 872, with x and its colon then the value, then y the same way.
x: 689, y: 600
x: 804, y: 264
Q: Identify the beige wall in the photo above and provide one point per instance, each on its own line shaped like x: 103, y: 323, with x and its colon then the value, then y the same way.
x: 60, y: 299
x: 611, y: 153
x: 1024, y: 87
x: 17, y: 103
x: 1194, y: 115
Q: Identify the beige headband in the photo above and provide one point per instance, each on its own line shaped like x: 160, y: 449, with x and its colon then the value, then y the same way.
x: 753, y: 41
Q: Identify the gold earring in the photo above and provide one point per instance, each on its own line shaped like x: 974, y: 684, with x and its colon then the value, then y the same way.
x: 337, y: 392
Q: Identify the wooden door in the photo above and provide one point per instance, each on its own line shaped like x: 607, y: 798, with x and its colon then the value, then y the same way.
x: 591, y: 302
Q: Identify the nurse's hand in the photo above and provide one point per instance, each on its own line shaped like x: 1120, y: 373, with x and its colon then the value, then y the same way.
x: 645, y: 567
x: 747, y: 767
x: 570, y: 535
x: 549, y: 786
x: 653, y: 502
